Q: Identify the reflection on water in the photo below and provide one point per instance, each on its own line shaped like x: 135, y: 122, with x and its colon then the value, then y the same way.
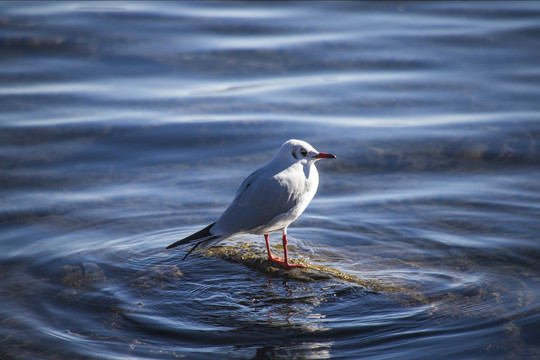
x: 126, y: 127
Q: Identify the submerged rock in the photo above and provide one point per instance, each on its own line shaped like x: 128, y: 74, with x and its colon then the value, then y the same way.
x: 158, y: 276
x: 82, y: 275
x: 81, y: 278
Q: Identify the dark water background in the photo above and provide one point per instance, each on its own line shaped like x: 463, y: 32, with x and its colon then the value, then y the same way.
x: 126, y: 126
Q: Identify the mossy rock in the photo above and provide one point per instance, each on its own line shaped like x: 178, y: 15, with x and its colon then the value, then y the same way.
x: 256, y: 258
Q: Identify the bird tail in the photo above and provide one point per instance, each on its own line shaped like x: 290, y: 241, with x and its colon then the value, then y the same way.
x: 203, y: 237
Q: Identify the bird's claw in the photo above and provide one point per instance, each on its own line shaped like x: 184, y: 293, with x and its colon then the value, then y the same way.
x: 285, y: 264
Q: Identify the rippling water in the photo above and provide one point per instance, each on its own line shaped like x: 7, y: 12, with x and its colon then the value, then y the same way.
x: 126, y: 126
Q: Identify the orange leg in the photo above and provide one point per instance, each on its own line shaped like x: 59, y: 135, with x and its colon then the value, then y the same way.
x: 279, y: 260
x: 270, y: 256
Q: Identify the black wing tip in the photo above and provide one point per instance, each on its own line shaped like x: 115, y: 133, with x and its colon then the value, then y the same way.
x: 173, y: 245
x: 198, y: 235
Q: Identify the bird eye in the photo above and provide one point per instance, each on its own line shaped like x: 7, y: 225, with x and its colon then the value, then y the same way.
x: 303, y: 152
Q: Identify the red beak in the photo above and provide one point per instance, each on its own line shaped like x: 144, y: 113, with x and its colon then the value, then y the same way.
x: 325, y: 156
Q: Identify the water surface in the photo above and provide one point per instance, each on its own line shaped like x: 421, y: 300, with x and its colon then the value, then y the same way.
x: 126, y: 126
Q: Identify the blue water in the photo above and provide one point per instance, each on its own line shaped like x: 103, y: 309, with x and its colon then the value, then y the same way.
x: 126, y: 126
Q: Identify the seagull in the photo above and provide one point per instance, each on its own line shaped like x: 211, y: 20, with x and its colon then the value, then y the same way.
x: 268, y: 200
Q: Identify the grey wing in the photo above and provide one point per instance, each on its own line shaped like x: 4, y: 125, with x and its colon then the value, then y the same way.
x: 257, y: 202
x: 246, y: 184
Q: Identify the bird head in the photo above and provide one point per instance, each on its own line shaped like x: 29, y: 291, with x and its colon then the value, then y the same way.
x: 300, y: 151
